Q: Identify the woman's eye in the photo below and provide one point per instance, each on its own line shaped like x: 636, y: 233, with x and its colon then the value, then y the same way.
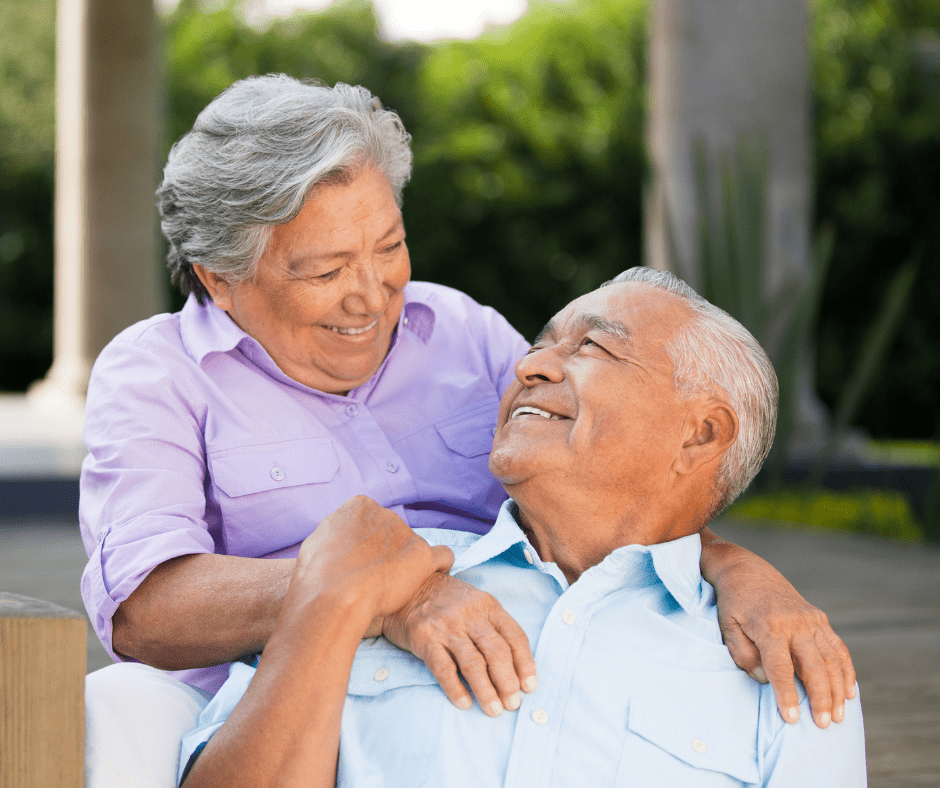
x: 329, y: 275
x: 393, y: 248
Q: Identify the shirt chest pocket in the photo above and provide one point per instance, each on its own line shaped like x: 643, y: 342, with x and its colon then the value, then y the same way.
x: 272, y: 495
x: 471, y: 434
x: 392, y: 720
x: 672, y: 749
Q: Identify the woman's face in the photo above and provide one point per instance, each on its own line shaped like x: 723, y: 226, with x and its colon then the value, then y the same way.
x: 327, y: 292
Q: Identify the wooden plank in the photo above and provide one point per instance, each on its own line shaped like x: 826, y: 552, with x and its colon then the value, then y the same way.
x: 42, y: 694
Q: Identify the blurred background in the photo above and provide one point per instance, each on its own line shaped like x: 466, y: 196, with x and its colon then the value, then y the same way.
x: 556, y: 144
x: 781, y: 155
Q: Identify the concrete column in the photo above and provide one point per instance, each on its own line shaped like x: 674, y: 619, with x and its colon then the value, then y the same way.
x: 107, y: 274
x: 719, y: 72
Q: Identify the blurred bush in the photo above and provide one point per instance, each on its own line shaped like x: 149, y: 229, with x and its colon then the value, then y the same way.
x: 529, y: 160
x: 27, y: 138
x: 876, y: 89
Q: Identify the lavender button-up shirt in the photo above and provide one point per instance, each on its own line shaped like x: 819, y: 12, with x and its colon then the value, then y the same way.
x: 199, y: 443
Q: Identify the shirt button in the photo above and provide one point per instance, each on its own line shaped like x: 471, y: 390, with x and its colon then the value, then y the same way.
x: 494, y: 432
x: 352, y: 410
x: 568, y: 617
x: 392, y: 467
x: 698, y: 745
x: 277, y: 474
x: 405, y: 321
x: 381, y: 674
x: 540, y: 716
x: 528, y: 555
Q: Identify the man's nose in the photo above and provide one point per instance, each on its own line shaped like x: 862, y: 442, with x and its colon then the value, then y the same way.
x: 540, y: 366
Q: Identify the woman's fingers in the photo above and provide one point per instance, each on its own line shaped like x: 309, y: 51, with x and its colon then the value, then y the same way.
x: 459, y: 630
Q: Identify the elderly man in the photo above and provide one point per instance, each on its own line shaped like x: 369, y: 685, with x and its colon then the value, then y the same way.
x: 640, y: 412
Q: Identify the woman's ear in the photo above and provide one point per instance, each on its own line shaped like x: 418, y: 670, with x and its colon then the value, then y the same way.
x: 711, y: 431
x: 219, y: 289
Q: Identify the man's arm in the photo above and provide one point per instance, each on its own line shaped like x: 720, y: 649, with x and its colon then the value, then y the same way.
x: 362, y: 562
x: 772, y: 632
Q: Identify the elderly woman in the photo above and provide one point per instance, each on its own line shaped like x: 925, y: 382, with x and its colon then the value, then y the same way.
x: 306, y: 369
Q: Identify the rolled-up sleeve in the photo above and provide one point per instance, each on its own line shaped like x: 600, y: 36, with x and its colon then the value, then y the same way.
x: 143, y: 498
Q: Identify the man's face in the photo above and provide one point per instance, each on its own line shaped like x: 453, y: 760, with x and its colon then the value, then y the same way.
x: 594, y: 410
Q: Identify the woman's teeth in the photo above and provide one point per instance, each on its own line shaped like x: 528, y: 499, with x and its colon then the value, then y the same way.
x: 353, y: 331
x: 535, y: 412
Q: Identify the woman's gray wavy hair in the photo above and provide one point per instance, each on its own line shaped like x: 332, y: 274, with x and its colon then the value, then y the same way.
x: 715, y: 354
x: 252, y: 158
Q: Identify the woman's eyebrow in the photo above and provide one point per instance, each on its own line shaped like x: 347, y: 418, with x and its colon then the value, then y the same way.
x: 316, y: 256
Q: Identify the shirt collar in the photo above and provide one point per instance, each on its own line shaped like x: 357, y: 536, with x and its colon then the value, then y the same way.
x: 206, y: 329
x: 675, y: 564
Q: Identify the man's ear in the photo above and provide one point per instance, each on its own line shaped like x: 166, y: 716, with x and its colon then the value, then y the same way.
x: 220, y: 290
x: 711, y: 431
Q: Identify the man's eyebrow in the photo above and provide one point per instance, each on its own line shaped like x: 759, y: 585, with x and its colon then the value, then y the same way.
x: 612, y: 328
x: 589, y: 322
x: 547, y: 331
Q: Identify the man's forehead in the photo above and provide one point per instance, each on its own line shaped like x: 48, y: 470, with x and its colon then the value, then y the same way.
x: 634, y: 312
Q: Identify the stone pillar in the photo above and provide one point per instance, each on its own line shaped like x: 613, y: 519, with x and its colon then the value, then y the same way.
x: 720, y: 72
x: 107, y: 273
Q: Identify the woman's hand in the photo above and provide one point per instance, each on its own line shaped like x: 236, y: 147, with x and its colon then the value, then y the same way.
x: 772, y: 632
x: 453, y: 627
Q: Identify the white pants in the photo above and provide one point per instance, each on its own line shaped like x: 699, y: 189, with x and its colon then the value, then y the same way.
x: 135, y: 717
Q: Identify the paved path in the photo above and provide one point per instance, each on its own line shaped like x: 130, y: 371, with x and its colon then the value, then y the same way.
x: 883, y: 599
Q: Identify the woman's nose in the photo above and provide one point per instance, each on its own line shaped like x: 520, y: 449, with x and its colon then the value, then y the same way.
x: 370, y: 296
x: 540, y: 366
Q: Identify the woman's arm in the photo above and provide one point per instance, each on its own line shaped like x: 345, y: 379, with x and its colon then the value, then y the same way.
x: 772, y: 632
x: 200, y: 610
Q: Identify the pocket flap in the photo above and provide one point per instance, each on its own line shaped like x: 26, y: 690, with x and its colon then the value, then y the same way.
x: 471, y: 433
x: 270, y: 466
x: 380, y: 667
x: 695, y: 741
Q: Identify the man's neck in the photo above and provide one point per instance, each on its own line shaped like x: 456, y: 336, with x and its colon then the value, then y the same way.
x: 577, y: 533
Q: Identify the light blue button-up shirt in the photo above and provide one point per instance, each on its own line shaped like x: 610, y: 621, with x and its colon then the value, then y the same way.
x: 635, y: 689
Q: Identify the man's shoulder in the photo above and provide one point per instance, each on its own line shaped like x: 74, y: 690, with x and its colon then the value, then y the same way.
x: 457, y: 541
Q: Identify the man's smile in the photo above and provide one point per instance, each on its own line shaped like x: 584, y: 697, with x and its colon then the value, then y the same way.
x: 528, y: 410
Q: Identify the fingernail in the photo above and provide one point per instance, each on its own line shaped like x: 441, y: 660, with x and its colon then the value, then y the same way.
x: 530, y: 684
x: 758, y: 674
x: 515, y: 701
x: 793, y: 713
x: 839, y: 714
x: 852, y: 692
x: 464, y: 703
x: 496, y: 708
x: 824, y: 719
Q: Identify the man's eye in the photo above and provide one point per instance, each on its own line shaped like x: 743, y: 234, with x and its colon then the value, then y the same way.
x: 587, y: 341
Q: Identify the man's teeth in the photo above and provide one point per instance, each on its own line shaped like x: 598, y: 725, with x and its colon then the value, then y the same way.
x: 535, y: 412
x: 352, y: 331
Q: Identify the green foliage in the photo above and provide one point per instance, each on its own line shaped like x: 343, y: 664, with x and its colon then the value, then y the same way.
x: 529, y: 160
x: 876, y: 88
x: 27, y: 136
x: 875, y: 512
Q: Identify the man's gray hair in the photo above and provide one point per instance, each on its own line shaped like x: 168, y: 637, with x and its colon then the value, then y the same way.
x: 715, y: 354
x: 252, y: 158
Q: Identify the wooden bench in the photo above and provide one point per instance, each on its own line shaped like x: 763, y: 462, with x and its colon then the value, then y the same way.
x: 42, y: 694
